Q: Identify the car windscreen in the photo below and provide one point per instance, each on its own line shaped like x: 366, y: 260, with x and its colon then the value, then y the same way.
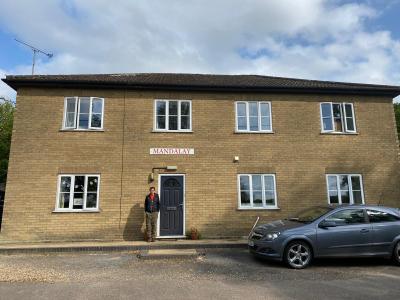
x: 310, y: 214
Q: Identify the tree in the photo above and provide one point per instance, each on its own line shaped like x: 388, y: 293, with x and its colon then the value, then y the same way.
x: 397, y: 113
x: 6, y: 123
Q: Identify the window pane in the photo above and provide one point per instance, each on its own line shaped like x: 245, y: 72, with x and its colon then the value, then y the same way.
x: 253, y: 109
x: 242, y: 123
x: 78, y: 201
x: 350, y: 124
x: 173, y: 108
x: 257, y: 198
x: 161, y: 108
x: 343, y: 183
x: 63, y: 201
x: 376, y: 216
x: 96, y: 120
x: 327, y: 123
x: 326, y: 110
x: 269, y: 183
x: 92, y: 184
x: 91, y: 200
x: 173, y: 123
x: 185, y: 122
x: 257, y: 183
x: 345, y: 197
x: 71, y: 105
x: 253, y: 123
x: 185, y: 108
x: 65, y: 184
x: 245, y: 198
x: 83, y: 121
x: 355, y: 183
x: 269, y: 198
x: 337, y: 115
x: 161, y: 122
x: 332, y: 183
x: 357, y: 197
x: 264, y: 107
x: 84, y: 104
x: 79, y: 184
x: 70, y: 120
x: 97, y: 106
x: 347, y: 217
x: 265, y: 123
x: 241, y: 109
x: 348, y: 110
x: 333, y: 197
x: 244, y: 183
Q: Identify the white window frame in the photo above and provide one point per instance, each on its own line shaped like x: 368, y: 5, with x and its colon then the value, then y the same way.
x: 77, y: 110
x: 167, y: 115
x: 71, y: 193
x: 343, y: 118
x: 350, y: 188
x: 247, y: 130
x: 265, y: 206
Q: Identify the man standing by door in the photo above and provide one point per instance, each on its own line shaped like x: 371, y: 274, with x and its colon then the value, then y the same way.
x: 151, y: 208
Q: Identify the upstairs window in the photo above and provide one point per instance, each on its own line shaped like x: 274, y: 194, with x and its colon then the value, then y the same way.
x: 78, y: 192
x: 345, y: 189
x: 337, y: 117
x: 253, y: 116
x: 83, y: 113
x: 173, y: 115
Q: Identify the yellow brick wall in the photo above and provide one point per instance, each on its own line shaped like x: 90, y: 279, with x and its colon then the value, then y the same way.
x: 296, y: 152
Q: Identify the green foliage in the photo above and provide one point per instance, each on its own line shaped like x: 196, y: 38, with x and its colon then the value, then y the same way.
x: 397, y: 113
x: 6, y: 123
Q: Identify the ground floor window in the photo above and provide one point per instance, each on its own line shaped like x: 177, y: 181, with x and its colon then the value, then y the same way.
x: 257, y: 191
x: 345, y: 189
x: 78, y: 192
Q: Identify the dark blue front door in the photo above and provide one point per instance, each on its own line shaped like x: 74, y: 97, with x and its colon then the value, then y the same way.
x: 171, y: 206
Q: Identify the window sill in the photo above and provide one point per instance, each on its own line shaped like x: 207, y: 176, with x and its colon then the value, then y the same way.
x: 81, y: 130
x: 172, y: 131
x: 76, y: 211
x: 258, y: 208
x: 256, y: 132
x: 339, y: 133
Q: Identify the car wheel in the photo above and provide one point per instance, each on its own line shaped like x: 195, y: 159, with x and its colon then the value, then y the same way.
x: 396, y: 253
x: 298, y: 255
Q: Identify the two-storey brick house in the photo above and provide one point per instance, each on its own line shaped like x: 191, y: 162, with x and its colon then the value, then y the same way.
x: 221, y: 150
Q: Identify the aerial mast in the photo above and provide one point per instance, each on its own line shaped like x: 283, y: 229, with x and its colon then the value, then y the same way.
x: 35, y: 51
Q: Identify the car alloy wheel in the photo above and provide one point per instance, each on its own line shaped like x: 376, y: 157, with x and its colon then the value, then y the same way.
x: 298, y: 255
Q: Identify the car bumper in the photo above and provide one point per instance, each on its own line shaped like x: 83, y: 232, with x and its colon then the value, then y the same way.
x: 265, y: 249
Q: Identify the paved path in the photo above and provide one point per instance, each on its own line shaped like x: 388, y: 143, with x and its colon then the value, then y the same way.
x: 220, y: 274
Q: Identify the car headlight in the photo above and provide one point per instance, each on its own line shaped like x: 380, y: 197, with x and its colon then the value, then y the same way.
x: 272, y: 236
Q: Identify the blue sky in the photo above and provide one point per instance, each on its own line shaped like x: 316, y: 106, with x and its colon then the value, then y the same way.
x: 339, y: 40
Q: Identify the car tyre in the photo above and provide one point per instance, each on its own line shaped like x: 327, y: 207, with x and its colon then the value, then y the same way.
x: 298, y: 255
x: 396, y: 254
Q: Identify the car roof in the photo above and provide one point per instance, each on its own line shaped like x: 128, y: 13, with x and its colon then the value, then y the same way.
x: 372, y: 206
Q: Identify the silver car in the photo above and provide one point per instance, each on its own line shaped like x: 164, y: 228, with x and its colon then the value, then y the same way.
x: 324, y: 231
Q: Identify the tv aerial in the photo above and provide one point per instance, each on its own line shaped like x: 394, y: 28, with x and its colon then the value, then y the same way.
x: 35, y: 51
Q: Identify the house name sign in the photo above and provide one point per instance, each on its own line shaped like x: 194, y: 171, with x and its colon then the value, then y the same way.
x: 171, y: 151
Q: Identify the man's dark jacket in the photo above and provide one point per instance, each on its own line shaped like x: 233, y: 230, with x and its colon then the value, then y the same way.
x: 156, y: 203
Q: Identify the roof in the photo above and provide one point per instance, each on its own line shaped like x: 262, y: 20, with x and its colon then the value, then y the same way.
x: 199, y: 82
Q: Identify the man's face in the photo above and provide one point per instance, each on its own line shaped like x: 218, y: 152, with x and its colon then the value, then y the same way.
x: 152, y: 191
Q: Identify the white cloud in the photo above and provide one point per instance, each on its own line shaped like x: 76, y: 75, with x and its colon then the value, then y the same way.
x: 317, y: 39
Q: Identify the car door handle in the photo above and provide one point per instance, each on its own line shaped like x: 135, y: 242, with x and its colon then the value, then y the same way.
x: 364, y: 230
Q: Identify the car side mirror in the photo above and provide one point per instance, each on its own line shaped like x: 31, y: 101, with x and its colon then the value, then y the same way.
x: 326, y: 224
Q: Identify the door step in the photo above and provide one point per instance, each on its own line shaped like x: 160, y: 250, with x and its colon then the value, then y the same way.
x: 170, y: 253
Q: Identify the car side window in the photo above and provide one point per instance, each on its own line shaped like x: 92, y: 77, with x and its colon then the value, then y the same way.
x: 347, y: 217
x: 376, y: 216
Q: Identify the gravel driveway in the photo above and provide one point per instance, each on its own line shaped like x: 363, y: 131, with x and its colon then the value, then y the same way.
x: 222, y: 274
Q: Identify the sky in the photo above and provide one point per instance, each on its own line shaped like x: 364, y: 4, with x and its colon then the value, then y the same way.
x: 339, y: 40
